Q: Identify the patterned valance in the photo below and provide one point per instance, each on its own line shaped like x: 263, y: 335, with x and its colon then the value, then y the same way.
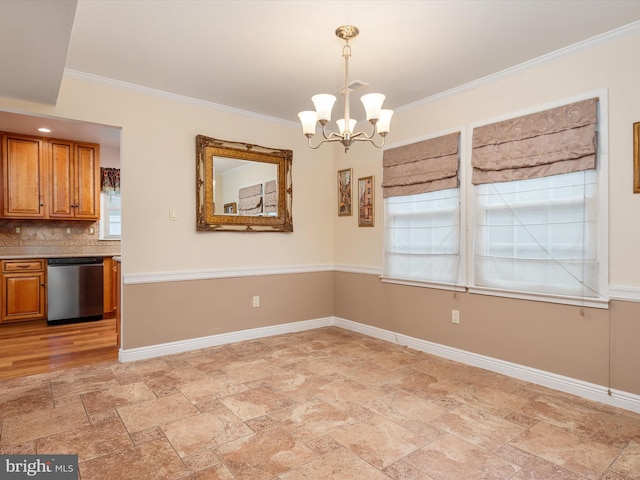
x: 421, y: 167
x: 110, y: 179
x: 551, y: 142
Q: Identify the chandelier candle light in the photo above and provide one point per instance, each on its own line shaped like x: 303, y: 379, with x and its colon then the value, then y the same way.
x: 379, y: 119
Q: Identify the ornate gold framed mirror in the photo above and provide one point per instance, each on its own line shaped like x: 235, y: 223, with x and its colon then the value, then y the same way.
x: 242, y: 187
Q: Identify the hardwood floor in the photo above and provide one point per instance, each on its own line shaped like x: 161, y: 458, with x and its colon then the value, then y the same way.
x: 28, y: 348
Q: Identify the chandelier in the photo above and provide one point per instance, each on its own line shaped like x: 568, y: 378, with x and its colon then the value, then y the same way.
x: 379, y: 119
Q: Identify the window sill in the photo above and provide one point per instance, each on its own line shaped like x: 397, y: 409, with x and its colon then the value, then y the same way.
x: 590, y: 302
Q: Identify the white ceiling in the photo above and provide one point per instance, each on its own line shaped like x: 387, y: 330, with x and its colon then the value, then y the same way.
x: 270, y: 56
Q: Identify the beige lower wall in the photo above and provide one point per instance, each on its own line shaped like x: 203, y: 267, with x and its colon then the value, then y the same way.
x: 156, y: 313
x: 546, y: 336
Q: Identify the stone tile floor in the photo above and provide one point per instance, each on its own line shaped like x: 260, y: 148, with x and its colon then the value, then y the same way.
x: 320, y: 404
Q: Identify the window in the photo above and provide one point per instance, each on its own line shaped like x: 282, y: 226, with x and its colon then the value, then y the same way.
x: 422, y: 211
x: 422, y: 236
x: 530, y: 220
x: 110, y: 220
x: 538, y: 235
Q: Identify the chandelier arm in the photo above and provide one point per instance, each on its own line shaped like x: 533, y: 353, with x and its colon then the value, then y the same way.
x: 329, y: 139
x: 372, y: 141
x: 332, y: 135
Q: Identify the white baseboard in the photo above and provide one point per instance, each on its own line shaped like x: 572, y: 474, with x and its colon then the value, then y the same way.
x: 591, y: 391
x: 170, y: 348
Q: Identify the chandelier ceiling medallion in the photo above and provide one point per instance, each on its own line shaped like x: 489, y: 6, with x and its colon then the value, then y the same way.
x: 379, y: 119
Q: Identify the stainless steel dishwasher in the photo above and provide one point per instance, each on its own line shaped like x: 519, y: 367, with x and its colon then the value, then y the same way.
x: 74, y: 289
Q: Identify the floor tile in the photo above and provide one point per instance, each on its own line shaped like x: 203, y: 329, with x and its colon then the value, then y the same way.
x: 246, y: 371
x: 83, y: 381
x: 116, y: 397
x: 410, y: 411
x: 150, y: 461
x: 41, y: 423
x: 349, y: 466
x: 451, y: 458
x: 131, y: 371
x: 478, y: 427
x: 401, y: 470
x: 378, y: 440
x: 214, y: 385
x: 24, y: 399
x: 426, y: 386
x: 87, y: 442
x: 312, y: 419
x: 166, y: 382
x: 559, y: 412
x: 193, y: 434
x: 264, y: 455
x: 569, y: 450
x: 492, y: 400
x: 628, y: 463
x: 538, y: 469
x: 141, y: 416
x: 256, y: 402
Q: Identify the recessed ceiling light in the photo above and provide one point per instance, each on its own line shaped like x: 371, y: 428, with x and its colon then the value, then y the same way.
x: 44, y: 130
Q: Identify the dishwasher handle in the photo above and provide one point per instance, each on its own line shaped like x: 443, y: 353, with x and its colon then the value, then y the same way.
x: 74, y: 261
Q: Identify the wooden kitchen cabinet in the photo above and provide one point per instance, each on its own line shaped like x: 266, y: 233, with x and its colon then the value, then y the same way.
x: 74, y: 175
x: 117, y: 265
x: 23, y: 177
x: 109, y: 283
x: 23, y: 290
x: 50, y: 178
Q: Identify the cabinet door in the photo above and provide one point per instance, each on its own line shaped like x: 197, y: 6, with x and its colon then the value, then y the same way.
x: 22, y: 176
x: 23, y: 296
x: 61, y: 173
x: 108, y: 283
x: 87, y: 161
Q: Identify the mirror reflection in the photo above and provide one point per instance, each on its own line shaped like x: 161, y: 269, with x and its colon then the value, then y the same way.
x: 242, y: 187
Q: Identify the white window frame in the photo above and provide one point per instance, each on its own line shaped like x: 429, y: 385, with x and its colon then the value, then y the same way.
x: 104, y: 217
x: 467, y: 220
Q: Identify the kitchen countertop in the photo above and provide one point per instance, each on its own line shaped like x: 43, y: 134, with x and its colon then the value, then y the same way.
x: 19, y: 256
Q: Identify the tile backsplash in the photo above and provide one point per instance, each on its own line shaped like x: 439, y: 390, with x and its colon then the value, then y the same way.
x: 40, y: 237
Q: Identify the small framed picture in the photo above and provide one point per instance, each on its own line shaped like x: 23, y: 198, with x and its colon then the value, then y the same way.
x: 636, y: 157
x: 366, y: 196
x: 344, y: 192
x: 231, y: 208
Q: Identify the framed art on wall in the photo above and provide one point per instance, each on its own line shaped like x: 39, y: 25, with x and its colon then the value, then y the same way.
x: 365, y: 202
x: 636, y: 157
x: 344, y: 192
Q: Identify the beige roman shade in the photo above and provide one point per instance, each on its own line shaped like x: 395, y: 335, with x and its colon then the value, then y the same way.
x: 552, y: 142
x: 270, y: 197
x: 421, y: 167
x: 250, y: 200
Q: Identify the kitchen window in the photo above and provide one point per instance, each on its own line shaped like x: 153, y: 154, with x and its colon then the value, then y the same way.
x: 110, y: 220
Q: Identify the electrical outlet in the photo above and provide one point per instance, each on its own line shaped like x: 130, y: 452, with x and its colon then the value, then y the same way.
x: 256, y: 301
x: 455, y: 316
